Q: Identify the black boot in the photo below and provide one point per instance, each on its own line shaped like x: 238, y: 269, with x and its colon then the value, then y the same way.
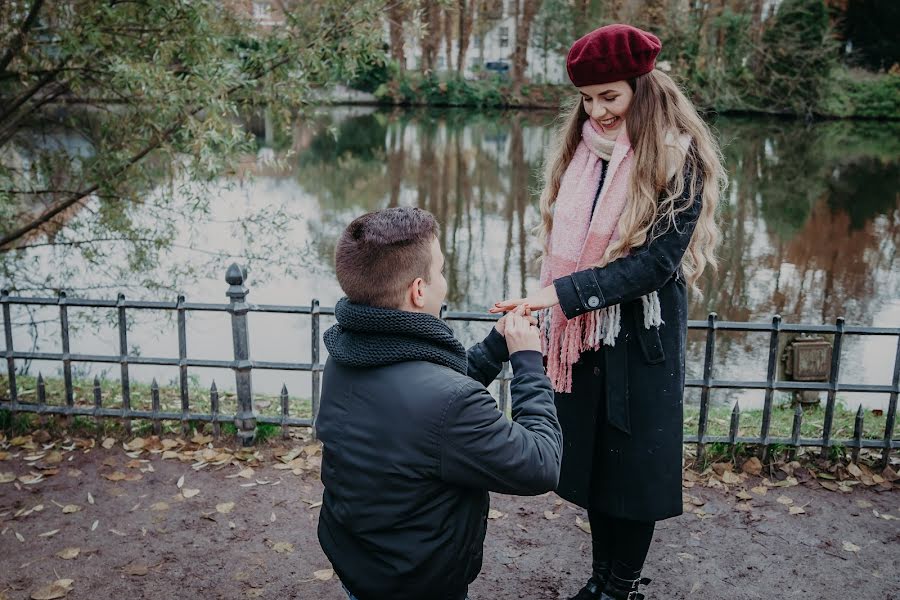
x: 617, y: 588
x: 594, y: 587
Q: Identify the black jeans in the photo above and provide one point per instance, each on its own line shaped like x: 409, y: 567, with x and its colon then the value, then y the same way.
x: 619, y: 545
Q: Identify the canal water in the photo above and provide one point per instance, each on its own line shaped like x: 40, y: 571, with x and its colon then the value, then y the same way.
x: 810, y: 223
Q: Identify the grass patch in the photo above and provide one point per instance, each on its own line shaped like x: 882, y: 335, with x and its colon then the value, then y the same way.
x: 782, y: 422
x: 169, y: 401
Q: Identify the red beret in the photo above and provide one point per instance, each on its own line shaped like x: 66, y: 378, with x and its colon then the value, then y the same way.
x: 612, y: 53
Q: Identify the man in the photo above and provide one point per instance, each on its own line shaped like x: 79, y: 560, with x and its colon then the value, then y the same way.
x: 412, y: 439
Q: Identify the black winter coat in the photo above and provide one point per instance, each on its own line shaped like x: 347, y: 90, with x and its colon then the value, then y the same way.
x: 410, y: 451
x: 622, y: 423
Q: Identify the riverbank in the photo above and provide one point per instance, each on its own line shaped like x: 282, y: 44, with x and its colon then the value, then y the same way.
x: 848, y: 94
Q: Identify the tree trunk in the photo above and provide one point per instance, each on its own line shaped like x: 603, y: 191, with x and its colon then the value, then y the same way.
x: 523, y: 35
x: 448, y: 36
x: 431, y: 34
x: 397, y: 14
x: 466, y: 14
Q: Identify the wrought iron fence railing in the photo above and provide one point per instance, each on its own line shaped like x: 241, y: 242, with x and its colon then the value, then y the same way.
x: 245, y: 418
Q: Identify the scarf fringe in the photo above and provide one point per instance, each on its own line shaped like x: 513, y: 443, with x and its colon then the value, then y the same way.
x: 563, y: 345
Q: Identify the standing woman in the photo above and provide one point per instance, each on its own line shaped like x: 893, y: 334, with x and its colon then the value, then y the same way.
x: 628, y: 207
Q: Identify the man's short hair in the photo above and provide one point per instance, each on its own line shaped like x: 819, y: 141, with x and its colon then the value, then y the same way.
x: 382, y: 252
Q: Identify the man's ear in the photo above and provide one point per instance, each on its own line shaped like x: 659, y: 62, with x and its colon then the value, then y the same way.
x: 417, y: 292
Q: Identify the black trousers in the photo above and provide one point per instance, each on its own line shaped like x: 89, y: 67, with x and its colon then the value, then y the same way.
x: 619, y: 546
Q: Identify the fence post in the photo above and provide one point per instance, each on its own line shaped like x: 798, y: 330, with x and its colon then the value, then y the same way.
x: 67, y: 362
x: 709, y: 357
x: 182, y: 368
x: 892, y: 409
x: 833, y: 386
x: 123, y: 360
x: 245, y: 419
x: 315, y: 374
x: 771, y: 373
x: 10, y: 361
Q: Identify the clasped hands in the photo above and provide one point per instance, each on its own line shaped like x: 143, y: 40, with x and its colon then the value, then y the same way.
x: 518, y: 324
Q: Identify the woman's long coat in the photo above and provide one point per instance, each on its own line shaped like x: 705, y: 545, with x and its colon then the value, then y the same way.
x: 622, y: 423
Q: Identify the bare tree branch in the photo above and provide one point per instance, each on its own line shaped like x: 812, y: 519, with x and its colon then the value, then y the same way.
x: 19, y: 40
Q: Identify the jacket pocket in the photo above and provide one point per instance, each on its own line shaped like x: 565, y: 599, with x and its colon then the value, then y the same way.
x: 651, y: 345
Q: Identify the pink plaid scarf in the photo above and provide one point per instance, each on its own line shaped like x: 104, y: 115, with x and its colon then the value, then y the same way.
x: 578, y: 241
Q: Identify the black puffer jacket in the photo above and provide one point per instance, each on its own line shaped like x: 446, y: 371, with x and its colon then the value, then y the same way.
x: 413, y: 442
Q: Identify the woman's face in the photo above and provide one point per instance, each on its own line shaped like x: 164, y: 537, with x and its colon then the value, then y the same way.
x: 607, y: 104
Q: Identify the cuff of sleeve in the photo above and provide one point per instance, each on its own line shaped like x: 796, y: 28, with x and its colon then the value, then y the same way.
x: 579, y: 293
x: 527, y: 361
x: 496, y: 346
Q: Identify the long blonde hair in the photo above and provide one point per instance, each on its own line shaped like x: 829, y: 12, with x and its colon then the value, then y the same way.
x: 658, y: 109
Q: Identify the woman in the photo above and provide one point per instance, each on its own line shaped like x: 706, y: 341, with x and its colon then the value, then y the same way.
x: 628, y: 207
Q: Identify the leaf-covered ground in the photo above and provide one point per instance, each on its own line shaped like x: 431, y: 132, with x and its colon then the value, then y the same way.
x: 182, y: 517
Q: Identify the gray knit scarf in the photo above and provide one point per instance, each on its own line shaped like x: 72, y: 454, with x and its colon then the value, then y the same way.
x: 365, y: 336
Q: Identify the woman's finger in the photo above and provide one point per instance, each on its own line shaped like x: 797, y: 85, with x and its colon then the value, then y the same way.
x: 506, y: 305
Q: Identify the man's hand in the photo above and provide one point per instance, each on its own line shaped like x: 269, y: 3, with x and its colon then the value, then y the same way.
x: 500, y: 325
x: 520, y: 333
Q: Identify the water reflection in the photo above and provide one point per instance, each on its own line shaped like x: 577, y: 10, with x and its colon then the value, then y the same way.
x: 811, y: 220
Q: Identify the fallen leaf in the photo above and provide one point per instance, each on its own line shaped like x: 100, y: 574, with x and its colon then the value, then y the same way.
x: 136, y: 569
x: 744, y: 495
x: 200, y: 440
x: 583, y: 525
x: 272, y: 519
x: 849, y: 547
x: 135, y: 444
x: 283, y: 547
x: 752, y: 467
x: 108, y: 443
x: 189, y: 492
x: 854, y: 470
x: 494, y: 514
x: 830, y: 485
x: 52, y: 591
x: 7, y: 477
x: 90, y: 498
x: 20, y: 537
x: 686, y: 556
x: 115, y: 476
x: 785, y: 500
x: 180, y: 483
x: 318, y: 504
x: 224, y: 507
x: 94, y: 525
x: 68, y: 553
x: 796, y: 510
x: 550, y: 515
x: 744, y: 506
x: 864, y: 504
x: 730, y: 478
x: 50, y: 533
x: 159, y: 506
x: 324, y: 574
x: 70, y: 508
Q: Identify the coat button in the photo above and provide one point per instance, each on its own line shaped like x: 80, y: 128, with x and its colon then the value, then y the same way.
x: 593, y: 301
x: 596, y: 371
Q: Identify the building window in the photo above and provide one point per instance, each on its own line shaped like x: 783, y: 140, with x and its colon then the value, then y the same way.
x: 504, y: 37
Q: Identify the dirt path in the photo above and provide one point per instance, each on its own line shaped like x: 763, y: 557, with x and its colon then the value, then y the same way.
x: 150, y: 541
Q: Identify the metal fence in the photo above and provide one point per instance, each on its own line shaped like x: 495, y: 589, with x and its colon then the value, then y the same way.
x: 245, y: 418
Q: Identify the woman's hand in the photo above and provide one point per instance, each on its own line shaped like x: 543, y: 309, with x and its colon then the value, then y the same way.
x: 542, y: 299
